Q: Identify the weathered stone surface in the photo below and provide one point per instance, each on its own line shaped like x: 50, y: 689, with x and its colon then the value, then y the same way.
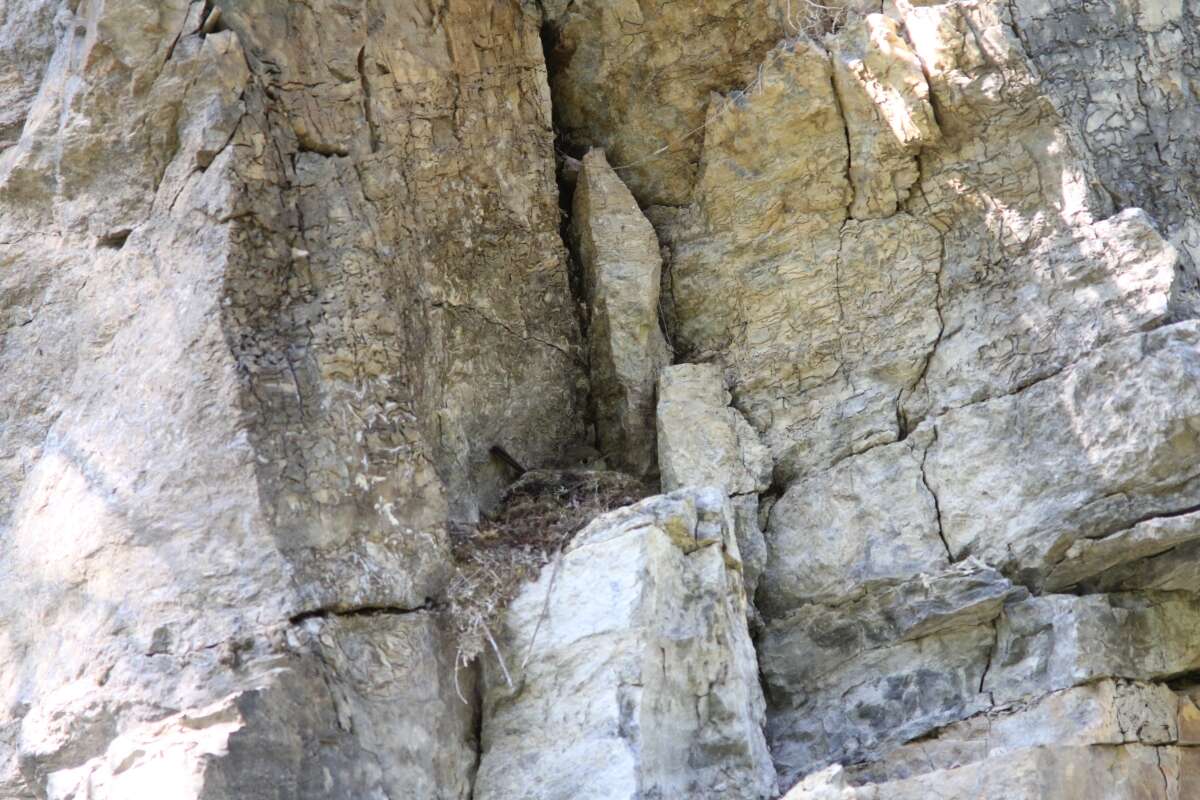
x: 635, y: 77
x: 1107, y: 712
x: 632, y: 668
x: 622, y: 274
x: 1092, y: 560
x: 1125, y: 75
x: 997, y: 271
x: 869, y: 520
x: 271, y: 286
x: 1057, y: 641
x: 282, y: 292
x: 848, y: 681
x: 27, y: 39
x: 1109, y: 442
x: 701, y: 440
x: 393, y: 726
x: 882, y: 92
x: 1127, y: 772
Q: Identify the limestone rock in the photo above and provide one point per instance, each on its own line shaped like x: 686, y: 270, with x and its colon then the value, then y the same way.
x: 1093, y: 560
x: 849, y: 680
x: 869, y: 520
x: 632, y: 667
x: 701, y: 440
x: 635, y: 77
x: 1108, y: 712
x: 271, y: 286
x: 392, y: 724
x: 622, y: 274
x: 1123, y: 75
x: 1127, y: 772
x: 882, y: 92
x: 1107, y: 443
x: 1057, y: 641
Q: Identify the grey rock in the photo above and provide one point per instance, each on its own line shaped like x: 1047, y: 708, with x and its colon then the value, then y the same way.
x: 632, y: 670
x: 1058, y: 641
x: 622, y: 273
x: 701, y: 440
x: 849, y: 681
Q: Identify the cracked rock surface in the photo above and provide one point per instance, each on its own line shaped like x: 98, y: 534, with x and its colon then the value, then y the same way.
x: 896, y: 299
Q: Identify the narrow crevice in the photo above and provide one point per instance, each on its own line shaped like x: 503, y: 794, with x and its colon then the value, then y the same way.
x: 905, y: 425
x: 990, y: 656
x: 937, y: 507
x: 567, y: 171
x: 368, y: 114
x: 114, y: 240
x: 837, y: 101
x: 360, y: 611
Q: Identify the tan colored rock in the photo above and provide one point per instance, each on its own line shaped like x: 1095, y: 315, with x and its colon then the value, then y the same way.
x: 701, y: 440
x: 883, y: 95
x: 622, y: 275
x: 632, y: 670
x: 271, y: 287
x: 1107, y: 713
x: 634, y: 78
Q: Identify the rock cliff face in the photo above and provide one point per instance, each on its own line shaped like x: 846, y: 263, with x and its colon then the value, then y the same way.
x: 897, y: 302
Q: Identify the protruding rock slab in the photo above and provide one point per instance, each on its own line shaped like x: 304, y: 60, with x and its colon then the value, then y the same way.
x: 350, y: 707
x: 622, y: 271
x: 632, y: 667
x: 701, y: 440
x: 1058, y: 641
x: 1124, y: 772
x: 1105, y: 444
x: 849, y: 680
x: 869, y: 519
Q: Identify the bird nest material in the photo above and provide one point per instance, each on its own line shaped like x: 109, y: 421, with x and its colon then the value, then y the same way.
x: 538, y: 516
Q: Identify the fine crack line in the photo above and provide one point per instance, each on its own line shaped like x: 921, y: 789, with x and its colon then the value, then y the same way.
x: 523, y: 337
x: 359, y: 611
x: 937, y: 507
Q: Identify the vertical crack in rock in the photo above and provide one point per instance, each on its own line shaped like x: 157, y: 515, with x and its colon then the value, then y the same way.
x: 937, y: 507
x: 991, y: 654
x: 368, y: 113
x: 904, y: 424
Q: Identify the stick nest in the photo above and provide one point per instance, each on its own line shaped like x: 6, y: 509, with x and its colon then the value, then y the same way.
x: 537, y: 517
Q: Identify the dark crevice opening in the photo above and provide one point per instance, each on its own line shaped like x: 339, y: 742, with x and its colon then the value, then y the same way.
x: 211, y: 20
x: 566, y: 170
x: 115, y: 240
x: 360, y: 611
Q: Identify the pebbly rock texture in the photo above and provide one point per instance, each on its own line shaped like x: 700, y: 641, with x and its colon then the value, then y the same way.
x: 622, y: 273
x: 632, y: 672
